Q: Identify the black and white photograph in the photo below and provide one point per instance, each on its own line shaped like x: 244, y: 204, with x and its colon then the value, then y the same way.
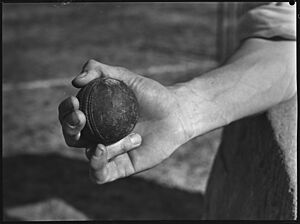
x: 116, y: 111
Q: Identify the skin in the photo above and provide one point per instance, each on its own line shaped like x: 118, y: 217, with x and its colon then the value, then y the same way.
x: 258, y: 76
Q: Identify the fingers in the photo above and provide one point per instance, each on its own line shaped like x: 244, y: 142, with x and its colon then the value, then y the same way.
x: 93, y: 69
x: 72, y: 126
x: 75, y: 140
x: 84, y: 78
x: 102, y: 171
x: 72, y: 121
x: 67, y: 106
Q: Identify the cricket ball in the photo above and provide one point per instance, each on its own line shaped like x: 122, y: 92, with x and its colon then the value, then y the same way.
x: 111, y: 110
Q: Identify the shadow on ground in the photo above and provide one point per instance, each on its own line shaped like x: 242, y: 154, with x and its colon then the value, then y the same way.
x: 35, y: 178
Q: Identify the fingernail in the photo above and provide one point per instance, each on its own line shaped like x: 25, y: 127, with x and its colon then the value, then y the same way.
x: 99, y: 151
x: 82, y: 75
x: 72, y: 119
x: 135, y: 139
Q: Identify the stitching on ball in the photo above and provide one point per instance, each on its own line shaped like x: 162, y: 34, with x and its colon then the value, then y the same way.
x: 93, y: 126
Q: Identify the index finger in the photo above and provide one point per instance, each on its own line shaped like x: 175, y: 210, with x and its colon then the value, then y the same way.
x: 90, y: 71
x: 94, y: 69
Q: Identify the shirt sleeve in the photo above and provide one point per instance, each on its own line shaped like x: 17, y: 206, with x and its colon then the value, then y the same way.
x: 274, y: 20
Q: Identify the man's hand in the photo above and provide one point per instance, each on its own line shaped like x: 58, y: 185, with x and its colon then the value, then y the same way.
x: 162, y: 126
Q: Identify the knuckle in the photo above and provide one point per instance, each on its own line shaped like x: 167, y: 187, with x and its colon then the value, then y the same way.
x: 86, y: 65
x: 93, y: 67
x: 126, y: 144
x: 92, y: 63
x: 122, y: 149
x: 121, y: 146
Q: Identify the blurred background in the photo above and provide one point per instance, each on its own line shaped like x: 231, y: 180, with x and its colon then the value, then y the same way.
x: 44, y: 48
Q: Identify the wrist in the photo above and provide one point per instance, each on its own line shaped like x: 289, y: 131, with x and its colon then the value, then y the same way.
x: 201, y: 111
x: 179, y: 92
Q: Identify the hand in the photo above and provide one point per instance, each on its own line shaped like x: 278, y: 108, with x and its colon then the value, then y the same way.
x: 162, y: 125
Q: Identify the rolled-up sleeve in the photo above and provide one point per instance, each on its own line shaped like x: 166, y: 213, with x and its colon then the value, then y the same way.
x: 274, y: 20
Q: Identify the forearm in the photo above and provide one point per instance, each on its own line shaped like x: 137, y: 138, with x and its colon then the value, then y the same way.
x: 258, y: 76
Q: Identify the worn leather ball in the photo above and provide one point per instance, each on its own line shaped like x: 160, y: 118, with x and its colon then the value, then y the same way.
x: 111, y: 110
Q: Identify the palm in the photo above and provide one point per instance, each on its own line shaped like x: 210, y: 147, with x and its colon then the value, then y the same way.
x: 159, y: 124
